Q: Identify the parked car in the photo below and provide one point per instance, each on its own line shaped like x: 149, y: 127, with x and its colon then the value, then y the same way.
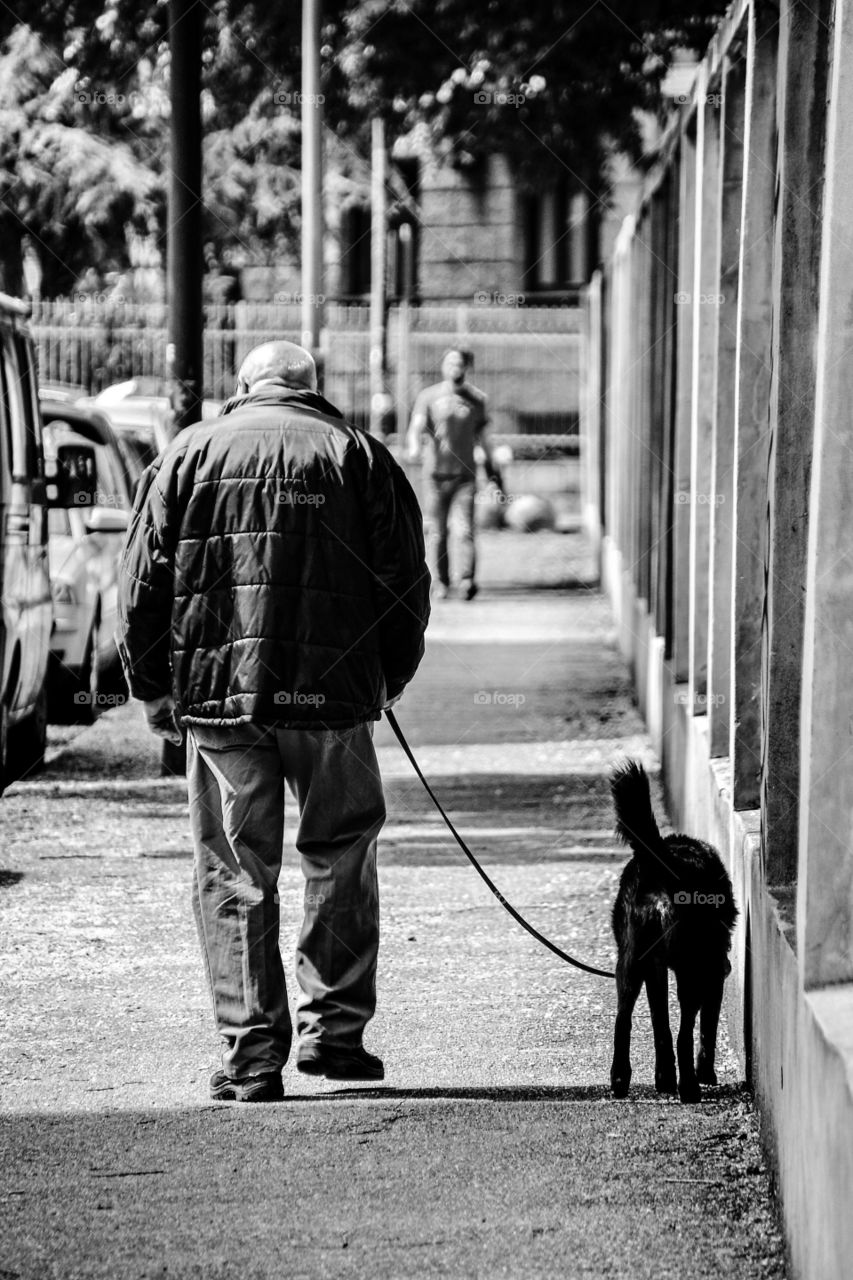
x: 84, y: 549
x: 26, y: 610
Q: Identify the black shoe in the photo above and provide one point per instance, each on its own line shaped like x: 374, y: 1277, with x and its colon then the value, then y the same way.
x: 261, y: 1088
x: 339, y: 1062
x: 469, y: 589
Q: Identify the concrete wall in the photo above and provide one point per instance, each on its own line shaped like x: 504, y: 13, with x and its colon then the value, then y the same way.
x: 721, y: 494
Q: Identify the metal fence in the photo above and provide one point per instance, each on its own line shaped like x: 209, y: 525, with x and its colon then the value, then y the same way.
x: 719, y: 409
x: 526, y: 359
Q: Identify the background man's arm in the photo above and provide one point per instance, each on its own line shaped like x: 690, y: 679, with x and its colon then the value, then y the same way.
x: 418, y: 423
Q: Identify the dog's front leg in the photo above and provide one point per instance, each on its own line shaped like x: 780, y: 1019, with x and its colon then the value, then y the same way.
x: 628, y: 983
x: 708, y: 1020
x: 689, y: 998
x: 657, y: 990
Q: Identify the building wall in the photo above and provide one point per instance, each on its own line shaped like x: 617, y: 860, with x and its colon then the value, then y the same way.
x: 471, y: 233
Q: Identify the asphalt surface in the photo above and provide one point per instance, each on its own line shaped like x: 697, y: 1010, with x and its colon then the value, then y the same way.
x: 493, y: 1147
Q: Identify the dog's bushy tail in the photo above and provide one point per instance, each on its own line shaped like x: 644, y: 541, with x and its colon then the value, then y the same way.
x: 635, y: 819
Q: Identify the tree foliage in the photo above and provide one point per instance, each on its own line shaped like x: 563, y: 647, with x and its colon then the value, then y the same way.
x: 84, y: 105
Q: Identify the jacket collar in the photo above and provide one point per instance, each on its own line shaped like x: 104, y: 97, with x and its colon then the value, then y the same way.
x: 274, y: 393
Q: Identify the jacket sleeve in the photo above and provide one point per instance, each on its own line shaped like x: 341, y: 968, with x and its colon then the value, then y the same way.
x: 146, y: 592
x: 401, y: 575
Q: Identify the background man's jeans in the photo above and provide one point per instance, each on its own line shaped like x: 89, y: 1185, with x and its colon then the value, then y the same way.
x: 236, y: 788
x: 440, y: 495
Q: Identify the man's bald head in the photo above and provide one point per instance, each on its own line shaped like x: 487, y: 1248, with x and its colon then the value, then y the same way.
x: 284, y: 362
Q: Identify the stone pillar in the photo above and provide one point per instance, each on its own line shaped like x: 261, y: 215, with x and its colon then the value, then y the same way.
x: 678, y: 643
x: 703, y: 383
x: 722, y: 463
x: 801, y: 116
x: 752, y: 400
x: 825, y: 879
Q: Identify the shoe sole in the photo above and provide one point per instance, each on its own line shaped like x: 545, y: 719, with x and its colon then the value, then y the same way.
x: 237, y: 1093
x: 332, y: 1073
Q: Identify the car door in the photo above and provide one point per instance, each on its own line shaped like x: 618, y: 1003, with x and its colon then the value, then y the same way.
x: 38, y: 572
x: 26, y: 593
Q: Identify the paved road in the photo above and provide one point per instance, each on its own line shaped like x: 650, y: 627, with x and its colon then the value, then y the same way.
x: 493, y: 1149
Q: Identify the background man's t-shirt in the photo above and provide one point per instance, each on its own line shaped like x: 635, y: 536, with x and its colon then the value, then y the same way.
x: 453, y: 417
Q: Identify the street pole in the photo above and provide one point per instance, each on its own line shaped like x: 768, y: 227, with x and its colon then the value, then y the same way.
x: 378, y: 394
x: 184, y: 244
x: 312, y: 182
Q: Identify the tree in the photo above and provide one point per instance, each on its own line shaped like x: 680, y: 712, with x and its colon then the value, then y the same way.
x: 552, y: 84
x: 71, y: 180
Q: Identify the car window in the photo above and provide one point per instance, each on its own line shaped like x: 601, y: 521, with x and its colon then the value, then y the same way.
x: 112, y: 491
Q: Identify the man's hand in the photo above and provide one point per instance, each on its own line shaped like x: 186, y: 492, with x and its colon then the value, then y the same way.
x: 392, y: 702
x: 162, y: 719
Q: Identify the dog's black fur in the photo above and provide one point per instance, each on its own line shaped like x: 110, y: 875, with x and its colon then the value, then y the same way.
x: 674, y: 910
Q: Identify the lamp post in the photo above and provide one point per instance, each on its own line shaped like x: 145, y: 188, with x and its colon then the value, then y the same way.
x: 184, y: 244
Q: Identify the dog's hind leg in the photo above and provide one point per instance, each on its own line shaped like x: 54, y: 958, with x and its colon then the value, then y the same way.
x: 628, y: 983
x: 689, y: 998
x: 708, y: 1019
x: 657, y: 990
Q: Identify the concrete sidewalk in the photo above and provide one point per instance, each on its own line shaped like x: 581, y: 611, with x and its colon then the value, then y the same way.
x: 493, y: 1148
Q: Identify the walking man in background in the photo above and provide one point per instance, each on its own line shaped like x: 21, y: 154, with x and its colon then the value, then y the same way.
x: 448, y: 420
x: 273, y: 600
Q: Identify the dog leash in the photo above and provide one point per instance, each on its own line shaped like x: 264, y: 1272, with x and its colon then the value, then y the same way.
x: 546, y: 942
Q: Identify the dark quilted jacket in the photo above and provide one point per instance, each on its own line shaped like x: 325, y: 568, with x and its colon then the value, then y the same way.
x: 274, y: 570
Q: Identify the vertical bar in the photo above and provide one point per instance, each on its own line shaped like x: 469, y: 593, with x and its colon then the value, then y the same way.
x: 752, y: 400
x: 719, y: 637
x: 312, y: 179
x: 704, y: 377
x: 377, y: 273
x: 801, y: 122
x: 679, y: 641
x: 825, y: 880
x: 185, y: 261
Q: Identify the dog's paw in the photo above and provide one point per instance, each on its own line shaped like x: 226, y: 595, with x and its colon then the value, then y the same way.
x: 689, y: 1091
x: 665, y: 1081
x: 619, y: 1085
x: 705, y: 1073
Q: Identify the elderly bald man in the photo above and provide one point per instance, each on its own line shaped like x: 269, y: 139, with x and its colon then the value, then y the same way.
x: 273, y: 600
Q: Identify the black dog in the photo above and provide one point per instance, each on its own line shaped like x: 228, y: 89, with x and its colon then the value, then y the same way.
x: 674, y: 910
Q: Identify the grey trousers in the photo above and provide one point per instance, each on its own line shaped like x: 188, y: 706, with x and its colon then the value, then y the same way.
x: 440, y: 495
x: 236, y: 782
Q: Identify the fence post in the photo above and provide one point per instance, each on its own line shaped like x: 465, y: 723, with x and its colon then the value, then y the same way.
x: 801, y: 116
x: 703, y: 385
x: 752, y: 397
x: 722, y: 510
x: 825, y: 879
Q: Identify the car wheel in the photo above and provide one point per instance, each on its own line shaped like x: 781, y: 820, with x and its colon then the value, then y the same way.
x: 27, y: 741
